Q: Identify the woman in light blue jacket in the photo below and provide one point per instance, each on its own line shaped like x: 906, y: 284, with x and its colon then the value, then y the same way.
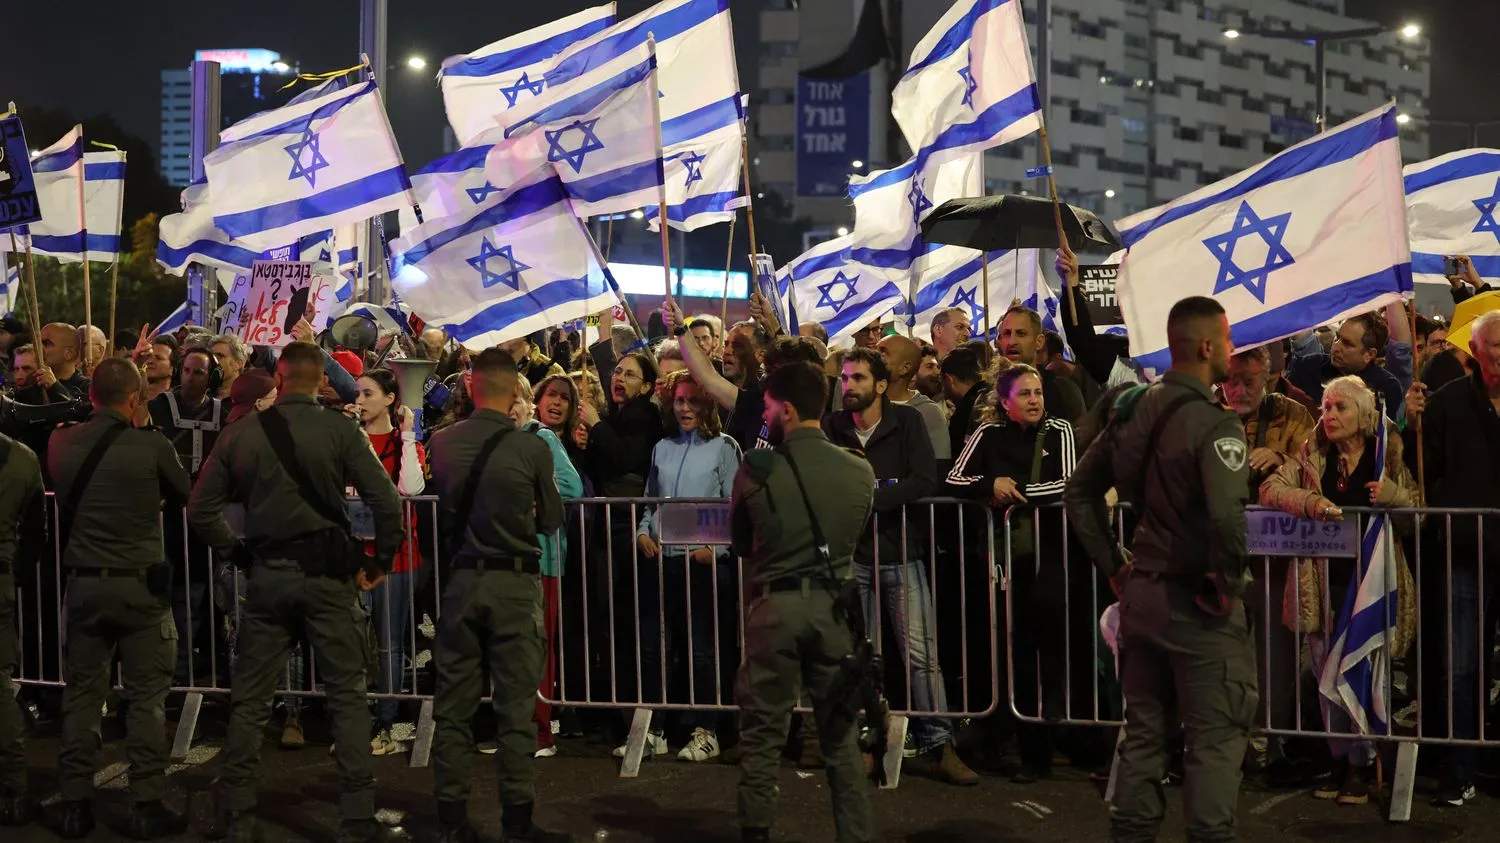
x: 698, y: 460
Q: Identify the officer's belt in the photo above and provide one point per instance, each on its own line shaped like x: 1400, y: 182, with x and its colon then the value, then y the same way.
x: 803, y: 584
x: 518, y: 564
x: 109, y: 573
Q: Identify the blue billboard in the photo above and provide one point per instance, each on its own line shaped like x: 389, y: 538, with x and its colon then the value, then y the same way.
x: 833, y: 129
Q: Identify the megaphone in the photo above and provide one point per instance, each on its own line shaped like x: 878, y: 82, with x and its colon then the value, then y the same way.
x: 411, y: 381
x: 355, y: 331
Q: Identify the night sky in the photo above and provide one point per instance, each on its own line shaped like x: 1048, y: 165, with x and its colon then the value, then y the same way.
x: 104, y: 56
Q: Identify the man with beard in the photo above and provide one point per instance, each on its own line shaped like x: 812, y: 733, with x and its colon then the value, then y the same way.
x: 1021, y: 340
x: 1186, y: 655
x: 893, y: 438
x: 929, y: 380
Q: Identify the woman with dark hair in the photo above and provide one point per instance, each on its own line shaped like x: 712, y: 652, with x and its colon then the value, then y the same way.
x: 1021, y: 456
x: 698, y: 461
x: 391, y: 429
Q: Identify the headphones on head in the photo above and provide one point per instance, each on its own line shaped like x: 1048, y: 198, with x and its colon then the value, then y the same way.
x: 215, y: 371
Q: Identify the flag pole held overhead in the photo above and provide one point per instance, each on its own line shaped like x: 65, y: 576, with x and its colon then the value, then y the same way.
x: 661, y: 181
x: 728, y: 262
x: 1056, y: 209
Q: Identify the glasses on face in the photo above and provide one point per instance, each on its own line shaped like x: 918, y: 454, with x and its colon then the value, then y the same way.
x: 627, y: 375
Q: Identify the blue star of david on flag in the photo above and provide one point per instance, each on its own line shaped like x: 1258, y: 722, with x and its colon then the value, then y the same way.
x: 826, y: 295
x: 478, y: 194
x: 305, y: 144
x: 1246, y: 222
x: 919, y: 201
x: 513, y: 92
x: 970, y: 86
x: 693, y: 161
x: 489, y: 278
x: 574, y: 157
x: 966, y: 299
x: 1487, y: 206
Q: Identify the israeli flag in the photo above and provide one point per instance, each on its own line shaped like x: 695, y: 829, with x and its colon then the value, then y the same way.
x: 1358, y: 668
x: 1312, y: 236
x: 953, y: 277
x: 703, y: 182
x: 499, y: 76
x: 833, y: 289
x: 600, y: 132
x: 11, y: 275
x: 453, y: 183
x: 305, y: 168
x: 60, y: 234
x: 970, y: 84
x: 510, y: 266
x: 1451, y: 207
x: 175, y: 321
x: 889, y: 206
x: 191, y: 237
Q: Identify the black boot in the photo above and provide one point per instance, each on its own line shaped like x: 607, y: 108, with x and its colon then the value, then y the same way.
x: 16, y: 807
x: 755, y: 835
x: 75, y: 819
x: 238, y: 827
x: 150, y: 820
x: 516, y: 827
x: 454, y: 818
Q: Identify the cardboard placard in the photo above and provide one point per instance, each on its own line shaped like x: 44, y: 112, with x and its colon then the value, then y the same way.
x: 263, y: 306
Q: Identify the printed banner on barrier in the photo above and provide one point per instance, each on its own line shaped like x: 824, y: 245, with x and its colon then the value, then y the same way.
x: 694, y: 523
x: 1270, y: 533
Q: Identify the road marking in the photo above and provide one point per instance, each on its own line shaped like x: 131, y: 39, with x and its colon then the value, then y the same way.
x: 1033, y: 811
x: 1037, y: 805
x: 1276, y: 800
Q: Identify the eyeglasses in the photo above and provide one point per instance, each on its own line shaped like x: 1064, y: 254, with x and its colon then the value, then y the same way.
x: 626, y: 374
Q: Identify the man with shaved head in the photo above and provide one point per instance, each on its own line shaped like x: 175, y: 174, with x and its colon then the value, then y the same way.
x: 904, y: 358
x: 98, y: 346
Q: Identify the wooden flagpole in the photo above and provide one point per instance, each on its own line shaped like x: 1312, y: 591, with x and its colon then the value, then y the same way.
x: 749, y: 200
x: 984, y: 274
x: 1062, y: 237
x: 728, y: 261
x: 88, y: 301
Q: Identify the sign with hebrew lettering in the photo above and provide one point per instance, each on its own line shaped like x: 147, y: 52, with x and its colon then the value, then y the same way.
x: 703, y: 523
x: 1272, y: 533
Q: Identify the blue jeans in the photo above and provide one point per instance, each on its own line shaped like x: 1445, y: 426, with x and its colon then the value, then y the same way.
x: 907, y: 599
x: 389, y: 605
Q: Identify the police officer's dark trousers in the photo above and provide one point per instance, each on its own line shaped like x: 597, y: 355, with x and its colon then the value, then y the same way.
x: 113, y: 612
x: 283, y: 604
x: 490, y: 619
x: 794, y: 641
x: 1180, y: 663
x: 12, y: 727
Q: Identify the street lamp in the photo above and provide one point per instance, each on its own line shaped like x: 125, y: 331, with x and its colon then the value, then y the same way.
x: 843, y: 231
x: 416, y: 63
x: 856, y: 163
x: 1320, y: 39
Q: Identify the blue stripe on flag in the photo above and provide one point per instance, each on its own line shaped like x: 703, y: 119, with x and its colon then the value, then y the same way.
x: 861, y: 312
x: 585, y: 101
x: 468, y: 158
x: 69, y: 243
x: 669, y: 24
x: 1424, y: 263
x: 957, y: 36
x: 58, y: 161
x: 932, y: 294
x: 523, y: 202
x: 617, y: 182
x: 321, y: 204
x: 504, y: 313
x: 701, y: 121
x: 104, y: 171
x: 1478, y: 164
x: 297, y: 125
x: 708, y: 203
x: 527, y: 55
x: 226, y: 252
x: 1318, y: 153
x: 1309, y: 310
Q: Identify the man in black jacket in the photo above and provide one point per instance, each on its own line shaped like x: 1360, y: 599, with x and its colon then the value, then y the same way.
x: 1021, y: 339
x: 894, y: 439
x: 963, y: 384
x: 1460, y: 432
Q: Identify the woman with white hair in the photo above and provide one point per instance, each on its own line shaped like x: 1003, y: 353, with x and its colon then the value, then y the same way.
x: 1336, y: 469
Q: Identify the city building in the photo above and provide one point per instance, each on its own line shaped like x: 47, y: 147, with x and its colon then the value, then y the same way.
x: 251, y: 81
x: 1148, y: 99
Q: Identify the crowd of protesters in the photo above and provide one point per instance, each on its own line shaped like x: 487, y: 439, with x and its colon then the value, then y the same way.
x: 633, y: 617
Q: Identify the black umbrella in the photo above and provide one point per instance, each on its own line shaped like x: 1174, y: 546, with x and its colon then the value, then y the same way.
x: 1015, y: 222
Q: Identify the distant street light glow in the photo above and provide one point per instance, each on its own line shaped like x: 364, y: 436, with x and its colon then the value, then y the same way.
x: 1411, y: 31
x: 416, y: 63
x: 1231, y: 34
x: 1403, y: 119
x: 1109, y: 193
x: 843, y: 231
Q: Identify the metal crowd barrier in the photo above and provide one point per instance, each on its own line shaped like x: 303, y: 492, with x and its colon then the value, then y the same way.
x: 1440, y: 609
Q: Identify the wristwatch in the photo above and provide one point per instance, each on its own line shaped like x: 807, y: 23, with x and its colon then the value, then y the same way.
x: 679, y: 330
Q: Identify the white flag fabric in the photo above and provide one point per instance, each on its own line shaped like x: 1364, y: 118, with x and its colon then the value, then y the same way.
x: 970, y: 84
x: 305, y: 168
x: 192, y: 237
x: 452, y: 183
x: 512, y: 265
x: 59, y: 234
x: 601, y: 133
x: 952, y: 276
x: 1452, y: 204
x: 703, y: 181
x: 831, y: 288
x: 889, y: 206
x: 1314, y: 235
x: 499, y: 76
x: 10, y: 285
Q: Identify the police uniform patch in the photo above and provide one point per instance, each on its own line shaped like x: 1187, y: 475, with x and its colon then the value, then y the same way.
x: 1231, y: 451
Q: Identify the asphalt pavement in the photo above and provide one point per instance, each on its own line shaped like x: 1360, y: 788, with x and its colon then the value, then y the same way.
x: 580, y: 791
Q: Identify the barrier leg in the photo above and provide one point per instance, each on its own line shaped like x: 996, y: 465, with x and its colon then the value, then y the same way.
x: 421, y: 748
x: 1114, y: 769
x: 635, y: 745
x: 1403, y: 782
x: 895, y: 742
x: 187, y: 726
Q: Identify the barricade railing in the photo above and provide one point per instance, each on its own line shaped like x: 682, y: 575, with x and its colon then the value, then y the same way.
x: 1431, y: 642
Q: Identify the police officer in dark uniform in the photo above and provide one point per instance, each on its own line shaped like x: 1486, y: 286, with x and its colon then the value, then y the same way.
x: 794, y: 631
x: 305, y: 575
x: 490, y: 480
x: 1179, y: 457
x: 23, y: 529
x: 110, y: 480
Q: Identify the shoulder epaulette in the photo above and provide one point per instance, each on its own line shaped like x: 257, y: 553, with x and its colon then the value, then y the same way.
x: 761, y: 461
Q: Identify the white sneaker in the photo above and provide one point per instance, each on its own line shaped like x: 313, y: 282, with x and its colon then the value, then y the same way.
x: 703, y: 746
x: 656, y: 744
x: 545, y: 752
x: 488, y: 747
x: 384, y: 744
